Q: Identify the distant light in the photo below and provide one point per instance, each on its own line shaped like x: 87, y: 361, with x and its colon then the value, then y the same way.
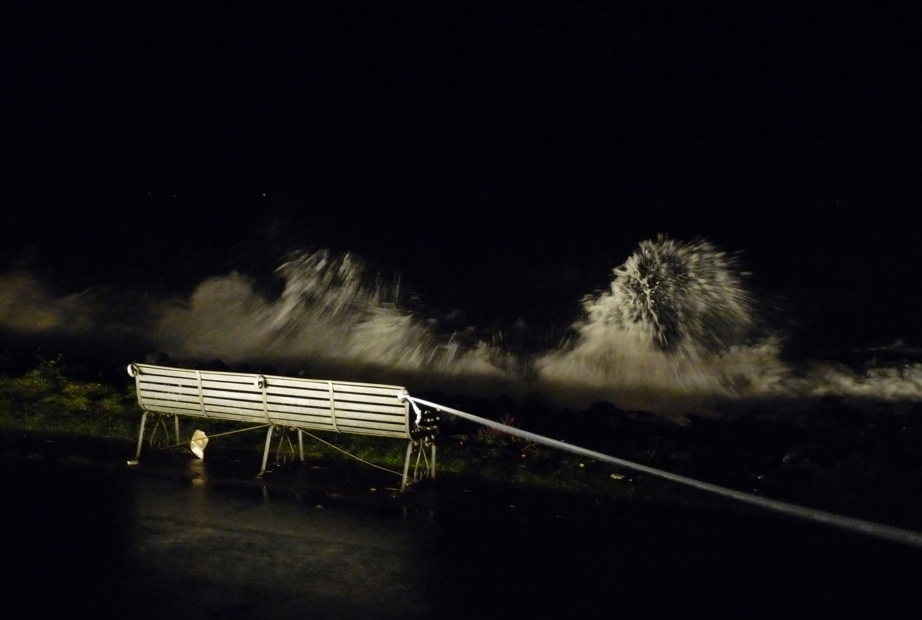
x: 263, y: 194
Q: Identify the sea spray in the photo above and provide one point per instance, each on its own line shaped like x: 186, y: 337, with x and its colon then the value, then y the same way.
x: 678, y: 296
x: 327, y: 316
x: 28, y: 308
x: 895, y: 381
x: 676, y: 329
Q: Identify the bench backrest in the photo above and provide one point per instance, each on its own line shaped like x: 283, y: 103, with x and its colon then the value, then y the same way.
x: 337, y: 406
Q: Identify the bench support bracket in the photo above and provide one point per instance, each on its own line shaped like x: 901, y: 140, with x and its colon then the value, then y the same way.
x: 406, y: 466
x: 266, y: 451
x: 137, y: 455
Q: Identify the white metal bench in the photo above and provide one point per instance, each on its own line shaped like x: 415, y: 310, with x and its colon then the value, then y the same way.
x: 286, y: 402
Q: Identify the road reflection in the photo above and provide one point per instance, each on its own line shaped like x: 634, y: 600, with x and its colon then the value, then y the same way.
x: 234, y: 546
x: 176, y: 536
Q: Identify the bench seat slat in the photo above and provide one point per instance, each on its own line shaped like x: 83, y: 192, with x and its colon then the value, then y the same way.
x: 235, y: 413
x: 168, y: 407
x: 367, y: 398
x: 323, y: 402
x: 233, y: 417
x: 228, y: 377
x: 394, y: 409
x: 161, y: 371
x: 172, y: 404
x: 160, y: 388
x: 166, y: 402
x: 382, y: 386
x: 249, y: 396
x: 182, y: 412
x: 180, y: 381
x: 313, y: 423
x: 323, y: 411
x: 322, y: 391
x: 307, y: 415
x: 297, y: 384
x: 340, y: 420
x: 369, y: 425
x: 226, y: 386
x: 299, y: 415
x: 345, y: 386
x: 186, y: 398
x: 364, y: 415
x: 341, y: 416
x: 243, y: 405
x: 367, y: 388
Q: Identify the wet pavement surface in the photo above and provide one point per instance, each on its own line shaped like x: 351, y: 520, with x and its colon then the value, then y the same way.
x: 178, y: 537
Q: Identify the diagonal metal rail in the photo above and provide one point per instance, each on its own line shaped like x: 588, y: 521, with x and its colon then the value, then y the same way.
x: 870, y: 528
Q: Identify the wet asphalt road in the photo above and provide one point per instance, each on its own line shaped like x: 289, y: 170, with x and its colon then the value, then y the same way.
x: 176, y: 537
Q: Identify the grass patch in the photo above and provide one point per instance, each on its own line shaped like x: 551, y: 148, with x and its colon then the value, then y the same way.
x: 44, y: 400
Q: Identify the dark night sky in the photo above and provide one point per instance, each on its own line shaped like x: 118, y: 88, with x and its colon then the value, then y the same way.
x: 465, y: 145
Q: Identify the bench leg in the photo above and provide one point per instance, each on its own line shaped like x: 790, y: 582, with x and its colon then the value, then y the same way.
x: 266, y: 451
x: 137, y: 454
x: 301, y: 444
x: 176, y: 421
x: 406, y: 466
x: 432, y: 465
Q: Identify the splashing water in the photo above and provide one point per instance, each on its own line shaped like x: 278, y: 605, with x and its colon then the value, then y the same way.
x: 28, y: 308
x: 326, y: 315
x: 673, y: 329
x: 678, y: 296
